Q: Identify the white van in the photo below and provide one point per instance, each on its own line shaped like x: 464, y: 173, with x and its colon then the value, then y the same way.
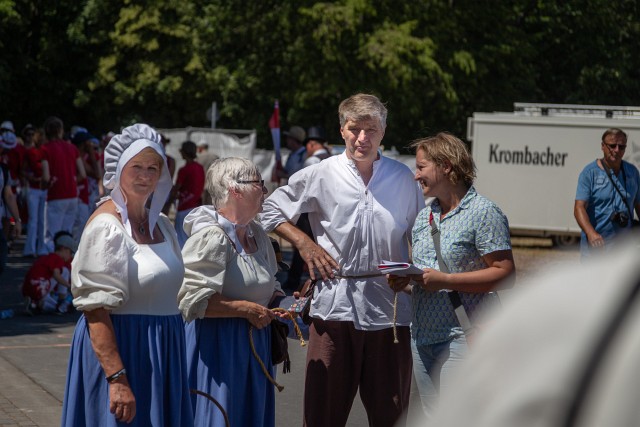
x: 529, y: 160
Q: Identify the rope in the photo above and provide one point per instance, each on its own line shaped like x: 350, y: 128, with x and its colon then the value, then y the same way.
x: 395, y: 318
x: 293, y: 320
x: 395, y: 315
x: 265, y: 371
x: 215, y: 402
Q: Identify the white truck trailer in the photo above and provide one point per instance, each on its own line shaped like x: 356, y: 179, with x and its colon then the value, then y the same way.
x: 529, y: 160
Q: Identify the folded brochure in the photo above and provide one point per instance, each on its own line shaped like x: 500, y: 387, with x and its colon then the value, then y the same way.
x: 399, y: 268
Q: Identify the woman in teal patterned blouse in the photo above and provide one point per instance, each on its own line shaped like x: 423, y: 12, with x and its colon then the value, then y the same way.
x: 475, y: 248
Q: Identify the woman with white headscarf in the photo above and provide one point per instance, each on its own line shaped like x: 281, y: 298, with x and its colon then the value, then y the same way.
x: 127, y: 362
x: 229, y: 283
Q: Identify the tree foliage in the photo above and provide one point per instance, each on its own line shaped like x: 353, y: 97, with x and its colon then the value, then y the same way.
x: 105, y: 64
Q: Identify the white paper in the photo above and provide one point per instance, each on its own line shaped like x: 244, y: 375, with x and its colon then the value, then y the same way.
x: 399, y: 268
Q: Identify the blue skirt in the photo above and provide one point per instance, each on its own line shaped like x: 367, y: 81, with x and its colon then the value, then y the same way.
x: 152, y: 349
x: 220, y: 363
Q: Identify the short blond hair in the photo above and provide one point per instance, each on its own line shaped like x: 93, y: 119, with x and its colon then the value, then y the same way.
x: 447, y: 148
x: 362, y: 106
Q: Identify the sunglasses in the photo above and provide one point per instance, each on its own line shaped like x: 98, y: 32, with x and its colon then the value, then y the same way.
x: 621, y: 147
x: 255, y: 181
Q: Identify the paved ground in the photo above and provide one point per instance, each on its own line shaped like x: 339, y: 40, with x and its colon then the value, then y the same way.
x: 34, y: 353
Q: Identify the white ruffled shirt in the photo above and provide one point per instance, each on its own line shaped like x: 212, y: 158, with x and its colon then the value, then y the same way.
x: 359, y: 226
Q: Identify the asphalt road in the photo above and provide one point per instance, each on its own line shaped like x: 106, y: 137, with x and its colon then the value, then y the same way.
x: 34, y: 353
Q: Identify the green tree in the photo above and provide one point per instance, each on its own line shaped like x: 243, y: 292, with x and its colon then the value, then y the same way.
x: 39, y: 70
x: 105, y: 64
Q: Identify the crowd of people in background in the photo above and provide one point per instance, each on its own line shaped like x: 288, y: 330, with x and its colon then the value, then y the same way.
x: 52, y: 181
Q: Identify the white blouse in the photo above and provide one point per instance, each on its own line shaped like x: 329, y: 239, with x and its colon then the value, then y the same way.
x: 213, y: 265
x: 111, y: 270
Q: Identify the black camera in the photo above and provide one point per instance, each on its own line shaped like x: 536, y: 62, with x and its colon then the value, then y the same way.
x: 621, y: 219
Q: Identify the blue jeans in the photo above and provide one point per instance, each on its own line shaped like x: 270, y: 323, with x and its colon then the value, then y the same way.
x: 433, y: 366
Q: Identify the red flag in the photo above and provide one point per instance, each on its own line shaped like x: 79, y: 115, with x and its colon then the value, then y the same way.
x: 274, y: 121
x: 274, y: 124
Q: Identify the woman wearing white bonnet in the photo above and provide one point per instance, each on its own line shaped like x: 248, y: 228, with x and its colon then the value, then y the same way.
x: 127, y: 361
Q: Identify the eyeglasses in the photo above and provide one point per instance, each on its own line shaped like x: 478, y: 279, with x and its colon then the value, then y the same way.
x: 621, y: 147
x: 255, y: 181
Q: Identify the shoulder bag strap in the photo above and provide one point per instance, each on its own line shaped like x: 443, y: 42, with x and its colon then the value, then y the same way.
x: 454, y: 296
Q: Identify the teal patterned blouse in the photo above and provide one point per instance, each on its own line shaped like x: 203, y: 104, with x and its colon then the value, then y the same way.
x: 476, y: 227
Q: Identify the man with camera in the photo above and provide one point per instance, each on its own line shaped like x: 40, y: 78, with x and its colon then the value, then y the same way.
x: 607, y: 195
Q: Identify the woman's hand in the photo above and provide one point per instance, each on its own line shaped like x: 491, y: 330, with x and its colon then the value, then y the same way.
x: 282, y: 314
x: 434, y: 280
x: 398, y: 283
x: 122, y: 402
x: 258, y: 315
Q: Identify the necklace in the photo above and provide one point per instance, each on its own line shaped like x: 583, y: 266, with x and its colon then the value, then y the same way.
x: 140, y: 227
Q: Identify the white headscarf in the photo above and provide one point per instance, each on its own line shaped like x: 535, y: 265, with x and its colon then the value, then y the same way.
x: 122, y: 148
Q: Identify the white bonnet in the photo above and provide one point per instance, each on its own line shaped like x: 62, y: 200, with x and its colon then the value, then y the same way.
x: 8, y: 139
x: 122, y: 148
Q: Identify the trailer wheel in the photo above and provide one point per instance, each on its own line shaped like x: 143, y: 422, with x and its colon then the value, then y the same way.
x: 565, y: 240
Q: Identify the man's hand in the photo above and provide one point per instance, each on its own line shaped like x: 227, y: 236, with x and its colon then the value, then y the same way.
x: 317, y: 259
x: 595, y: 240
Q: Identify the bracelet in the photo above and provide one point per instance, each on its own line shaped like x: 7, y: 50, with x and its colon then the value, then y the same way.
x: 112, y: 378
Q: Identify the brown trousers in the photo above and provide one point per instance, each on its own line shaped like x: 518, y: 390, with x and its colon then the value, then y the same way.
x: 341, y: 359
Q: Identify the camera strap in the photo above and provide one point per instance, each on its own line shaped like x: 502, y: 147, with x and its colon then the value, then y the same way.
x: 609, y: 172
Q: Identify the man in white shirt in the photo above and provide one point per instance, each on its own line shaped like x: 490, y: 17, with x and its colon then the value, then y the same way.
x: 361, y: 208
